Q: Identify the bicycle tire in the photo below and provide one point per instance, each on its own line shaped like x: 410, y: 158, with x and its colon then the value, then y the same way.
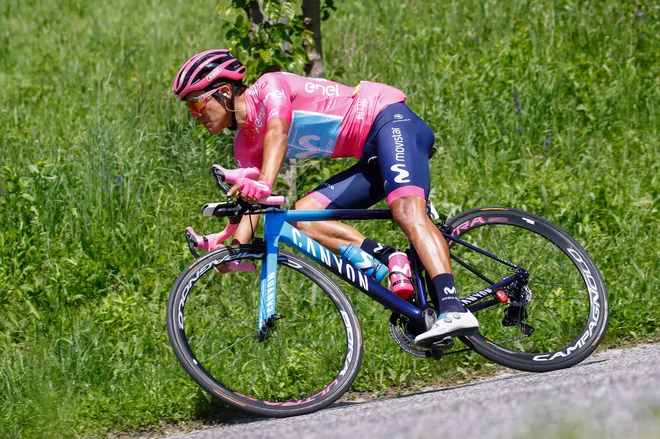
x: 568, y: 324
x: 310, y: 357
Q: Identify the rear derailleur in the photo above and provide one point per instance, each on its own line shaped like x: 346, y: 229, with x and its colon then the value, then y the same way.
x: 516, y: 312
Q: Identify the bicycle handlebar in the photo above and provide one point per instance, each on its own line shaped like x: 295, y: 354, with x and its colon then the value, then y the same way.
x: 232, y: 176
x: 232, y: 209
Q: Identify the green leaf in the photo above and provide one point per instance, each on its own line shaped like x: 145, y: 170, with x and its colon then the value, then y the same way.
x: 265, y: 55
x: 289, y: 9
x: 308, y: 36
x: 32, y: 309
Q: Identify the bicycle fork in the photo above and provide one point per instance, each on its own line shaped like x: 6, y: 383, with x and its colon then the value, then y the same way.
x: 268, y: 290
x: 268, y: 287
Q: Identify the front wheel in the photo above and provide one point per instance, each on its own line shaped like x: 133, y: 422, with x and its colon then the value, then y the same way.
x: 554, y: 321
x: 312, y: 352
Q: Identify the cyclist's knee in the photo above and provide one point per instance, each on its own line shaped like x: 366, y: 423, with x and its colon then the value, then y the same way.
x: 306, y: 203
x: 408, y: 211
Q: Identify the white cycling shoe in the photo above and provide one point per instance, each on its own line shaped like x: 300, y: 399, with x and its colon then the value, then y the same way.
x: 449, y: 324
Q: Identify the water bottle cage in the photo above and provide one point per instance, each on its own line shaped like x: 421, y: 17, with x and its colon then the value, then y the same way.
x: 400, y: 281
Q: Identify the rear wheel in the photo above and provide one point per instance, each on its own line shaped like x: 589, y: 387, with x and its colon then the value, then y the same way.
x: 310, y: 357
x: 559, y: 317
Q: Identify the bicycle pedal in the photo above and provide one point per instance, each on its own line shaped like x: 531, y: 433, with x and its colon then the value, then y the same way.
x: 442, y: 344
x: 438, y: 348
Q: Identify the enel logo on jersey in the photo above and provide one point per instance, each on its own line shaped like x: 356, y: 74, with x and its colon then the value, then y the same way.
x: 329, y: 90
x: 277, y: 94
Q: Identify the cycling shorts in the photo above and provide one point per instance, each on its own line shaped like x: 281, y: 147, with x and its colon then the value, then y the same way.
x: 394, y: 164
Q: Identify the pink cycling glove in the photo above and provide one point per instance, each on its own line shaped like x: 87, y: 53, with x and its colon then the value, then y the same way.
x: 255, y: 189
x: 234, y: 175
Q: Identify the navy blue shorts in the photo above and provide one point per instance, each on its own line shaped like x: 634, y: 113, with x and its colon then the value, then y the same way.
x: 394, y: 164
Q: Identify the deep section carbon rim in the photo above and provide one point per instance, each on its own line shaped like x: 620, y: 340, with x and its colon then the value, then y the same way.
x: 310, y: 357
x: 559, y: 318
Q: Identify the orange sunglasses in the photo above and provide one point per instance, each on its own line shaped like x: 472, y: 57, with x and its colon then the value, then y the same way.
x: 197, y: 104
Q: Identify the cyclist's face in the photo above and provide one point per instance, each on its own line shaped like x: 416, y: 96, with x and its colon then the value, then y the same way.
x: 214, y: 115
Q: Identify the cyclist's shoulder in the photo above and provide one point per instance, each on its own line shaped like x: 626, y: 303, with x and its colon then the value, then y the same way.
x: 371, y: 88
x: 274, y: 79
x: 270, y: 85
x: 292, y: 80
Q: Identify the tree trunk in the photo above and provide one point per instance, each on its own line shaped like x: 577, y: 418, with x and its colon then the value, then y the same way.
x: 314, y: 69
x: 255, y: 14
x: 312, y: 21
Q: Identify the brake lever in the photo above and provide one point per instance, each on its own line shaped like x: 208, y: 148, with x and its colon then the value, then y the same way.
x: 192, y: 243
x: 208, y: 242
x: 219, y: 178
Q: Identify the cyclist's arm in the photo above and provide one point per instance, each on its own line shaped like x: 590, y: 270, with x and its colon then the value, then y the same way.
x: 277, y: 99
x: 275, y: 145
x: 274, y: 152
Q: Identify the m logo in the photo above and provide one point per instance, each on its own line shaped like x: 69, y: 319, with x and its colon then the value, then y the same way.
x: 450, y: 291
x: 306, y: 141
x: 403, y: 174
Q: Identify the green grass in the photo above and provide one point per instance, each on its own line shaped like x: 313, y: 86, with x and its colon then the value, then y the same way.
x: 550, y: 107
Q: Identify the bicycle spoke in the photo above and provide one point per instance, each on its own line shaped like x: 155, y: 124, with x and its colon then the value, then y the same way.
x: 532, y: 247
x: 320, y: 355
x: 256, y: 368
x: 553, y: 315
x: 483, y: 269
x: 287, y: 321
x: 554, y: 284
x: 231, y: 345
x: 340, y: 343
x: 243, y: 323
x: 286, y: 359
x: 531, y: 267
x: 494, y: 230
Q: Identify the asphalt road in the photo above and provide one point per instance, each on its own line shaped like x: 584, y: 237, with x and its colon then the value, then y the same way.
x: 613, y: 394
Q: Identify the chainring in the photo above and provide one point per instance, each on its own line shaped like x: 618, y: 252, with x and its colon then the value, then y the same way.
x: 405, y: 339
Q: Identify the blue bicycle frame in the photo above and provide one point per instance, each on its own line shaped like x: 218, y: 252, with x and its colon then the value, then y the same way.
x: 277, y: 230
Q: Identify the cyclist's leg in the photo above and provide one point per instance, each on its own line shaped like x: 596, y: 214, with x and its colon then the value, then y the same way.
x: 403, y: 142
x: 358, y: 187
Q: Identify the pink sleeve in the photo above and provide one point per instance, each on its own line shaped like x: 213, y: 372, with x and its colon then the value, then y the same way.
x: 276, y: 95
x: 245, y: 158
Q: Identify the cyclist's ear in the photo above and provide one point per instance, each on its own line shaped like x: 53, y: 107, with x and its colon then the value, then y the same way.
x: 225, y: 91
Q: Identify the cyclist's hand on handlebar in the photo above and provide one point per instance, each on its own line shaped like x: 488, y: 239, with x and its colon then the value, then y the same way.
x: 236, y: 189
x: 251, y: 190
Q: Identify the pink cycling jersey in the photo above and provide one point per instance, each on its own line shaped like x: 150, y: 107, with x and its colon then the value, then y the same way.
x: 326, y: 119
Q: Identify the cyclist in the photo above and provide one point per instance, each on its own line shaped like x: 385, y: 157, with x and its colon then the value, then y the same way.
x: 285, y: 115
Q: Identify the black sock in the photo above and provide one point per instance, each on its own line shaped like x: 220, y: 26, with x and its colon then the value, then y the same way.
x: 445, y: 294
x: 377, y: 250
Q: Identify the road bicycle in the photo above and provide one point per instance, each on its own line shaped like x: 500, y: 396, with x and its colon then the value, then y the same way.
x: 269, y: 332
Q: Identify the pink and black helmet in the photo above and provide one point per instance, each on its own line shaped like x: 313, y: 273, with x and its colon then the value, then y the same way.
x: 208, y: 70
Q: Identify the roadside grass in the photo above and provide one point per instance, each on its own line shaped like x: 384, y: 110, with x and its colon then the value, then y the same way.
x: 550, y: 107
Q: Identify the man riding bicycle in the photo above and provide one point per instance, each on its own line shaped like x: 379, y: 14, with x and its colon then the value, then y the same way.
x: 285, y: 115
